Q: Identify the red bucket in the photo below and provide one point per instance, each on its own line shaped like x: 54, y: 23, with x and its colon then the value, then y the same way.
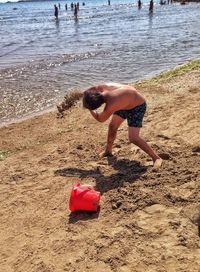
x: 83, y: 198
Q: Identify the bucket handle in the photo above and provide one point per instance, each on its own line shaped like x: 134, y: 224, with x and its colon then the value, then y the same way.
x: 89, y: 187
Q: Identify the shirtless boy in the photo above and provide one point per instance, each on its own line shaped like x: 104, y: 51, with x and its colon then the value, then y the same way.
x: 122, y: 102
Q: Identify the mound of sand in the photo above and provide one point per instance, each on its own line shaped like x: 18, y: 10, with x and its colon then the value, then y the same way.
x: 149, y: 218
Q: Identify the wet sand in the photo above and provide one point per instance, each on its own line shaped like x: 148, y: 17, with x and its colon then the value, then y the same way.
x: 148, y: 218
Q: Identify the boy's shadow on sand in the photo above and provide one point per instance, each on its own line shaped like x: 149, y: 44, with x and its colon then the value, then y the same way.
x: 128, y: 171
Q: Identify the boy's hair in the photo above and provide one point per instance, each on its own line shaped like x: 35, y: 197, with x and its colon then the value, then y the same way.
x: 92, y: 99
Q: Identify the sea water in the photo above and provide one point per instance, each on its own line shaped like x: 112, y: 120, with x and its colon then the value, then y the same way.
x: 41, y: 58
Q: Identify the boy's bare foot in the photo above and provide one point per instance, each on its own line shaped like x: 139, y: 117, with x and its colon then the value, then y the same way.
x: 157, y: 163
x: 105, y: 154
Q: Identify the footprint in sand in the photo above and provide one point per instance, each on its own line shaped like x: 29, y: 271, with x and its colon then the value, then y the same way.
x: 163, y: 136
x: 196, y: 149
x: 165, y: 156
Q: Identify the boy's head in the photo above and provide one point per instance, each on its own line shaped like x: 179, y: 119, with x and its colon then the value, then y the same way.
x: 92, y: 99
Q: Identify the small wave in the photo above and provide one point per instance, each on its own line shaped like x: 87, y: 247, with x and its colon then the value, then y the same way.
x: 3, y: 18
x: 46, y: 64
x: 11, y: 51
x: 9, y: 44
x: 16, y: 48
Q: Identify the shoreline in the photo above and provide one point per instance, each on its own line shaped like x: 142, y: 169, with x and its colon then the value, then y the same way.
x: 26, y: 117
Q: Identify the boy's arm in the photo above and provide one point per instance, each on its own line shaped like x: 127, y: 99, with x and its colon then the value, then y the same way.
x: 103, y: 116
x: 94, y: 114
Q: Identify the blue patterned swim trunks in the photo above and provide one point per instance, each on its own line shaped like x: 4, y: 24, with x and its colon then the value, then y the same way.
x: 134, y: 116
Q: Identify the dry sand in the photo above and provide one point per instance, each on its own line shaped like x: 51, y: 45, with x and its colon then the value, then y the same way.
x: 148, y: 220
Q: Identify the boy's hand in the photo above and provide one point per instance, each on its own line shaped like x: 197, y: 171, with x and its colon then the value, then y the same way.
x: 94, y: 114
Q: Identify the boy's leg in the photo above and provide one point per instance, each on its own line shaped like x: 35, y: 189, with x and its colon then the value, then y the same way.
x: 133, y: 133
x: 115, y: 122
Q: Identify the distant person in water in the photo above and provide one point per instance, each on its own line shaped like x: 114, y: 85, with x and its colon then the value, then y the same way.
x: 109, y: 2
x: 56, y: 11
x: 59, y: 5
x: 65, y: 6
x: 183, y: 2
x: 151, y: 6
x: 162, y: 2
x: 72, y: 6
x: 121, y: 102
x: 139, y: 4
x: 75, y: 11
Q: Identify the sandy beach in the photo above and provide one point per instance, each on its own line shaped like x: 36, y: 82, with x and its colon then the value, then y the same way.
x: 149, y: 219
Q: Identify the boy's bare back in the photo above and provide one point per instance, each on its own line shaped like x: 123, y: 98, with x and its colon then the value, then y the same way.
x: 119, y: 96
